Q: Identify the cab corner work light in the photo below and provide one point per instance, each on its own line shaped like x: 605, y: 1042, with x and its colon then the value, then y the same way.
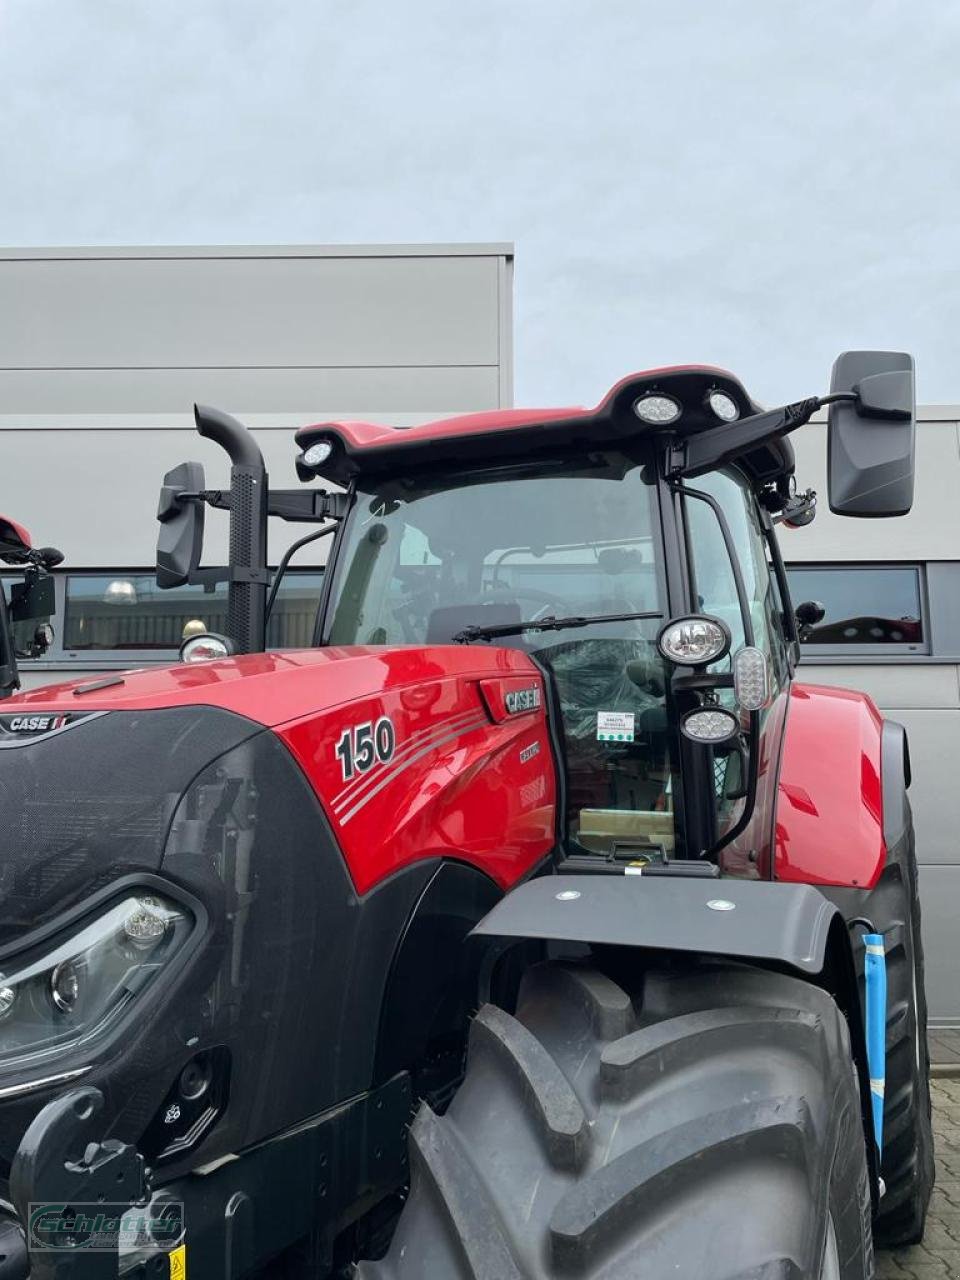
x: 694, y: 641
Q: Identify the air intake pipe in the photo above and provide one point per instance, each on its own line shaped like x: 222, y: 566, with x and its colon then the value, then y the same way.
x: 247, y: 591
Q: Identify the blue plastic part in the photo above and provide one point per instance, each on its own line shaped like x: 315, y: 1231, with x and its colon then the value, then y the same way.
x: 875, y: 974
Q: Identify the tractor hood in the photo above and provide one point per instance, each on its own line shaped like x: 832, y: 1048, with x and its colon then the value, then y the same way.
x: 268, y: 688
x: 92, y: 771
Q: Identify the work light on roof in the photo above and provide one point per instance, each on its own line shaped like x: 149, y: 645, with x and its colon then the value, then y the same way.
x: 657, y: 409
x: 318, y: 453
x: 694, y: 641
x: 723, y: 406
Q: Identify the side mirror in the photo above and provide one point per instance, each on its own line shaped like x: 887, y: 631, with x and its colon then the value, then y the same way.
x: 180, y: 542
x: 33, y: 598
x: 809, y: 614
x: 871, y: 438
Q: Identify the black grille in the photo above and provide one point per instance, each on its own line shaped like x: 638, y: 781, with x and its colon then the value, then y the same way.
x: 84, y: 806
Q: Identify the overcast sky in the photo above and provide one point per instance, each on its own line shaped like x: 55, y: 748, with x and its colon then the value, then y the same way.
x: 752, y: 183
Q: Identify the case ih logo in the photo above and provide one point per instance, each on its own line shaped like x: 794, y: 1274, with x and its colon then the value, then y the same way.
x: 33, y: 724
x: 522, y: 700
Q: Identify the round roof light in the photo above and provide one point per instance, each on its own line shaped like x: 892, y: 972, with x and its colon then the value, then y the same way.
x: 120, y: 591
x: 317, y: 454
x: 710, y: 725
x: 657, y: 410
x: 723, y: 406
x: 694, y: 641
x: 205, y: 648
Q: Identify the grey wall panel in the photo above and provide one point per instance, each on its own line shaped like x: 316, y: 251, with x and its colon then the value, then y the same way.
x: 284, y: 312
x: 930, y: 532
x: 891, y: 685
x: 94, y: 493
x: 336, y: 392
x: 940, y: 903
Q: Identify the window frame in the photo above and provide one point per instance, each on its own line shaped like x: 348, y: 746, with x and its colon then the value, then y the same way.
x: 873, y: 651
x: 60, y: 658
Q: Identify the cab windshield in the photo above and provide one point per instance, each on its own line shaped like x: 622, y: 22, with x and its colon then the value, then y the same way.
x: 424, y: 559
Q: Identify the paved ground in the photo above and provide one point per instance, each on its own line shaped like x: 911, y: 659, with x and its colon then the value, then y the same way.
x: 944, y: 1047
x: 939, y: 1256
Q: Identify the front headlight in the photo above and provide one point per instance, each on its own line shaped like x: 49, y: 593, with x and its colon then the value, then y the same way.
x: 56, y: 998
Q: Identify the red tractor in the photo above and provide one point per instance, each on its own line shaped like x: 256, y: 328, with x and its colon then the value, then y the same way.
x: 536, y: 922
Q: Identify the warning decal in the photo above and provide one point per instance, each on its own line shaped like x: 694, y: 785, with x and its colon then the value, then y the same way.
x: 178, y: 1263
x: 615, y: 726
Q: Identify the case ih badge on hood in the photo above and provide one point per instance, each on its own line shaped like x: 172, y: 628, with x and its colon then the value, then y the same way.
x: 38, y: 723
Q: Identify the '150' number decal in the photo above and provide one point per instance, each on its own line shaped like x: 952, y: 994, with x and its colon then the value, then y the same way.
x: 364, y: 745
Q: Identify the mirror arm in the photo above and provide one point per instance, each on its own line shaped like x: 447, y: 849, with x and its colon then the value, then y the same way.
x: 694, y: 455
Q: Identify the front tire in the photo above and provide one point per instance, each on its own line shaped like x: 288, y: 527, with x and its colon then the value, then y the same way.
x: 907, y: 1167
x: 709, y: 1126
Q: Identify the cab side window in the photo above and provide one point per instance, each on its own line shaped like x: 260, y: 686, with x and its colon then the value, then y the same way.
x: 715, y: 585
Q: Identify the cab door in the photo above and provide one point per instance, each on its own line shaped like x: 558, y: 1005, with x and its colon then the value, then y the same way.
x: 725, y: 539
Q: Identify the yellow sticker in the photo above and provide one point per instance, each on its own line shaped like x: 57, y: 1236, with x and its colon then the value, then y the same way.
x: 178, y: 1263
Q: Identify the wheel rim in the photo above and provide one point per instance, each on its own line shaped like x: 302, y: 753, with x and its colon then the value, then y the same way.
x: 830, y: 1267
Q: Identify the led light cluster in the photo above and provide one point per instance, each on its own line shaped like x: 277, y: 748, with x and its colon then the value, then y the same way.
x: 657, y: 410
x: 709, y: 724
x: 751, y: 678
x: 317, y: 454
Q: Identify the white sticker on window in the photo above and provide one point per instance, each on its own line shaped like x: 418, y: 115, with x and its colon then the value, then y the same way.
x: 615, y: 726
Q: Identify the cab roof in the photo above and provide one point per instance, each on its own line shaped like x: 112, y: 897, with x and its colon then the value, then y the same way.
x: 368, y: 449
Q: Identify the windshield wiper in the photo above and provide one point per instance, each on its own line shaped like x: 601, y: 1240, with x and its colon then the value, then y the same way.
x: 469, y: 634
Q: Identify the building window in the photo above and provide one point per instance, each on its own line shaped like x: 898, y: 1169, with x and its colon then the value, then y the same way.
x: 864, y: 605
x: 128, y: 612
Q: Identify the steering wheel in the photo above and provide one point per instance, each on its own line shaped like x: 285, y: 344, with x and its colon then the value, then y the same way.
x: 549, y: 604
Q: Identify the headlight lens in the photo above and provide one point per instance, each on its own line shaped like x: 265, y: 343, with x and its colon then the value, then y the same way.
x: 208, y: 647
x: 62, y: 996
x: 694, y: 641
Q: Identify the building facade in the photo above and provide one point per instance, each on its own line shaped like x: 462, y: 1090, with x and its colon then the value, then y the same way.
x: 891, y: 589
x: 103, y: 353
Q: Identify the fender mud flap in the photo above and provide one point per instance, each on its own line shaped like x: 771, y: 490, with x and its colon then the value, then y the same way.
x: 749, y: 919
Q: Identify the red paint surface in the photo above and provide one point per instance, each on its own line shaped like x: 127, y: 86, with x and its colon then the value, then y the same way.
x: 13, y: 532
x: 458, y: 785
x: 368, y: 435
x: 272, y: 688
x: 831, y: 753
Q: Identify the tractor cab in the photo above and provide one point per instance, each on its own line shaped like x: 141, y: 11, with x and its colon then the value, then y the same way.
x: 628, y: 550
x: 539, y: 840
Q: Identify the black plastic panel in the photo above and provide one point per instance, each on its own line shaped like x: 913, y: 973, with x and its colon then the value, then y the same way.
x: 786, y: 923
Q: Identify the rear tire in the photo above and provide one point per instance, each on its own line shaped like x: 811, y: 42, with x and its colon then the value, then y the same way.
x: 708, y: 1128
